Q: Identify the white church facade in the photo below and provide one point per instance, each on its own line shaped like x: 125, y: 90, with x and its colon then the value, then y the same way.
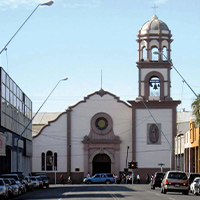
x: 102, y: 133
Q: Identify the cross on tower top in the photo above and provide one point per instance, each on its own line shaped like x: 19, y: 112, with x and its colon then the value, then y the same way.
x: 154, y: 7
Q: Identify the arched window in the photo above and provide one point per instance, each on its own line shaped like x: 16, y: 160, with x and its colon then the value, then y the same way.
x: 144, y: 54
x: 49, y: 161
x: 164, y: 56
x: 154, y: 57
x: 43, y: 161
x: 55, y: 162
x: 154, y: 86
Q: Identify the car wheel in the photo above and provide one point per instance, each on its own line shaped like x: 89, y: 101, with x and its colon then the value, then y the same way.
x: 107, y: 182
x: 88, y: 182
x: 164, y: 191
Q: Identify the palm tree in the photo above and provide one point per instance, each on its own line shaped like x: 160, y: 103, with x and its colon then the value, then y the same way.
x: 196, y: 110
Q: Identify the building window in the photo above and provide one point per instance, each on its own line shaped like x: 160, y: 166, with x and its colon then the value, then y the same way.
x: 43, y: 161
x: 49, y: 161
x: 55, y: 162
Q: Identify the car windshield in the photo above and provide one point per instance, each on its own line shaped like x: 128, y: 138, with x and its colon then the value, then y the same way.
x: 176, y: 175
x: 1, y: 182
x: 12, y: 181
x: 6, y: 181
x: 160, y: 175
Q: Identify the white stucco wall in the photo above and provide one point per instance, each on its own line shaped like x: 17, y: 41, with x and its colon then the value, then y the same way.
x: 81, y: 116
x: 53, y: 138
x: 149, y: 155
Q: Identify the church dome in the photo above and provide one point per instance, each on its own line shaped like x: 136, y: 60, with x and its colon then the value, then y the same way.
x: 154, y: 25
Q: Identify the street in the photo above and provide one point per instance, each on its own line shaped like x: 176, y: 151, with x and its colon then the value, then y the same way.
x: 106, y: 192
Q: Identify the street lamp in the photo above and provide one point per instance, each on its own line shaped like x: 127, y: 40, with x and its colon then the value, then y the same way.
x: 64, y: 79
x: 48, y: 3
x: 170, y: 62
x: 160, y: 131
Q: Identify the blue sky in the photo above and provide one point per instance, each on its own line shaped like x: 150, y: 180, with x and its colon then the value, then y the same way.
x: 79, y: 38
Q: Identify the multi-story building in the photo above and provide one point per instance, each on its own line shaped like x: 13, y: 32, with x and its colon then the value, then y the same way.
x: 192, y: 154
x: 16, y: 114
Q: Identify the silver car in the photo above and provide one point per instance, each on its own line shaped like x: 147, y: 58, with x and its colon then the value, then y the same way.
x: 15, y: 187
x: 3, y: 189
x: 175, y: 181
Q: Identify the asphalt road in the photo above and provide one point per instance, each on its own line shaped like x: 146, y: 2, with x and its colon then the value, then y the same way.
x: 103, y: 192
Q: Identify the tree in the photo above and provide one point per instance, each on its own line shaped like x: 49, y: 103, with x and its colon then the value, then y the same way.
x: 196, y: 110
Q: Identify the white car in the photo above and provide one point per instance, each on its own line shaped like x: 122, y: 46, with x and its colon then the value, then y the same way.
x: 3, y: 189
x: 195, y: 186
x: 36, y: 183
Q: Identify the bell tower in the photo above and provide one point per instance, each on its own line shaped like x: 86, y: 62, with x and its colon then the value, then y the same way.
x: 154, y: 110
x: 154, y: 40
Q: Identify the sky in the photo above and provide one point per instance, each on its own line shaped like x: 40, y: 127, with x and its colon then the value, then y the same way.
x: 93, y: 43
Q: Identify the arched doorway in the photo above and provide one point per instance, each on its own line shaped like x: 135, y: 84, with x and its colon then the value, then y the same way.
x: 101, y: 164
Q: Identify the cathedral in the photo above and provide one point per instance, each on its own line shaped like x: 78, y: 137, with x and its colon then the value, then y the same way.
x: 101, y: 133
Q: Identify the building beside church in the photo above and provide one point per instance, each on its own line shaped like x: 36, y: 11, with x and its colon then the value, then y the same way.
x: 102, y: 133
x: 16, y: 113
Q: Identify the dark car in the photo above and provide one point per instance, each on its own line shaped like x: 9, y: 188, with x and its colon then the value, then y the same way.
x: 99, y: 178
x: 157, y: 179
x: 43, y: 176
x: 192, y: 176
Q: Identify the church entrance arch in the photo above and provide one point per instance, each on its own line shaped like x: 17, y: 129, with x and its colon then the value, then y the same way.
x: 101, y: 164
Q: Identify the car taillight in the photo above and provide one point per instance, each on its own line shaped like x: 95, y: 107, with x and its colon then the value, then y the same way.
x: 154, y: 178
x: 187, y: 183
x: 167, y: 182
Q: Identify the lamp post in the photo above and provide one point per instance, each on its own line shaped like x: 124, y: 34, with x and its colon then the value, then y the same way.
x: 171, y: 155
x: 64, y: 79
x: 170, y: 62
x: 48, y: 3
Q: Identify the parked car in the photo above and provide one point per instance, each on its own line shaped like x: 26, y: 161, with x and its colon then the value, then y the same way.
x: 99, y: 178
x: 15, y: 187
x: 29, y: 183
x: 22, y: 180
x: 9, y: 186
x: 40, y: 181
x: 43, y: 176
x: 175, y: 181
x: 16, y: 177
x: 192, y: 176
x: 195, y: 186
x: 35, y: 181
x: 156, y: 180
x: 3, y: 189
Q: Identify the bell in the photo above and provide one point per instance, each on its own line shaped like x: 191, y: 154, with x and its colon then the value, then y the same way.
x: 155, y: 87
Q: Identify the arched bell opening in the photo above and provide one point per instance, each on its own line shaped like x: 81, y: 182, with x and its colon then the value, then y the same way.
x: 154, y: 57
x: 154, y: 86
x: 144, y: 54
x: 164, y: 54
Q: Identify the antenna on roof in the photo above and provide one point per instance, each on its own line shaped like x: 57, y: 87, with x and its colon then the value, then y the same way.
x: 155, y: 7
x: 101, y: 79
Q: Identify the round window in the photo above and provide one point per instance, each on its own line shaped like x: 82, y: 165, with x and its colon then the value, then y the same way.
x: 101, y: 123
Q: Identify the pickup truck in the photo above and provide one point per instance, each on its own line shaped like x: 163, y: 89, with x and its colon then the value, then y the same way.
x: 100, y: 178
